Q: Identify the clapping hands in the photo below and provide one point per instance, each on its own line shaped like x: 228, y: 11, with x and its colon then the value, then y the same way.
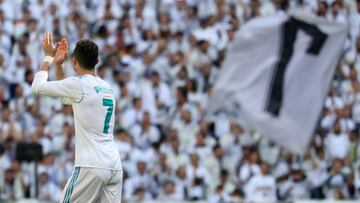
x: 59, y: 51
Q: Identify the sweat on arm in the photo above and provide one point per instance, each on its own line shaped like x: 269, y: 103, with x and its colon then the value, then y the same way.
x: 68, y: 89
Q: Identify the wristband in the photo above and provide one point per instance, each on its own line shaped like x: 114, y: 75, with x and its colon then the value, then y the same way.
x: 49, y: 59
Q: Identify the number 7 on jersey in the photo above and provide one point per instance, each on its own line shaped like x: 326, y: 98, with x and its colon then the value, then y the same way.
x: 110, y: 104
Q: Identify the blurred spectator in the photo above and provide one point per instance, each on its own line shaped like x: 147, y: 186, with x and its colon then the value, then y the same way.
x: 261, y: 186
x: 337, y: 143
x: 12, y: 187
x: 336, y: 183
x: 162, y: 59
x: 48, y: 191
x: 297, y: 186
x: 249, y: 168
x: 219, y: 196
x: 169, y: 192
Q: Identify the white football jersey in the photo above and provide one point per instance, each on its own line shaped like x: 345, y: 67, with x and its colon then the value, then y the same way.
x: 93, y: 105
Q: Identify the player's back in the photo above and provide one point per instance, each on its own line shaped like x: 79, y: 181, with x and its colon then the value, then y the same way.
x: 94, y: 125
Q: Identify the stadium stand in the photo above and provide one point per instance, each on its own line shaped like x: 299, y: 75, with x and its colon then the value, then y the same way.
x: 161, y: 58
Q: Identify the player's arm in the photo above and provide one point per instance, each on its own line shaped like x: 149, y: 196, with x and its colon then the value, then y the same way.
x: 60, y: 74
x: 66, y: 88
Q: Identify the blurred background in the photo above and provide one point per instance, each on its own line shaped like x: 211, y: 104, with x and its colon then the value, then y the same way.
x: 161, y: 58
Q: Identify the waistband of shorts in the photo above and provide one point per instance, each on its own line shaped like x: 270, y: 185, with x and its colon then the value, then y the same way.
x: 97, y: 167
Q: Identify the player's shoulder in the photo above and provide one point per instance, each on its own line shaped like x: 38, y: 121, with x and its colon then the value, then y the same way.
x: 103, y: 83
x: 102, y: 86
x: 70, y: 80
x: 89, y: 79
x: 78, y: 77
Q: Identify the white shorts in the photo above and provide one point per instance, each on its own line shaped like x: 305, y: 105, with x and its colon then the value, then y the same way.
x: 92, y: 185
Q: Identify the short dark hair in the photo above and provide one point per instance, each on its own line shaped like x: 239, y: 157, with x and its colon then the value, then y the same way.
x: 86, y: 52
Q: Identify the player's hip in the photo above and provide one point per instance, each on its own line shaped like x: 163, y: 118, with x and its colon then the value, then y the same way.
x: 117, y: 167
x: 93, y: 160
x: 90, y: 184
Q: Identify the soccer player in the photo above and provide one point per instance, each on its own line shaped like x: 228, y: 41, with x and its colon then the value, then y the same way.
x: 97, y: 176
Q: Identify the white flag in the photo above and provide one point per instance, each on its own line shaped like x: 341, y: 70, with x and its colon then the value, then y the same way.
x: 276, y: 76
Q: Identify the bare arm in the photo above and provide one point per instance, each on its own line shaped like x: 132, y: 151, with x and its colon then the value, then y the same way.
x: 60, y: 74
x: 45, y: 66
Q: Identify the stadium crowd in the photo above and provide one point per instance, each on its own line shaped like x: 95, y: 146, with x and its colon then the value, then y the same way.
x: 161, y: 58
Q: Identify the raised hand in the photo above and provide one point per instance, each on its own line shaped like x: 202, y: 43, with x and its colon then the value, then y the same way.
x: 48, y: 45
x: 61, y: 52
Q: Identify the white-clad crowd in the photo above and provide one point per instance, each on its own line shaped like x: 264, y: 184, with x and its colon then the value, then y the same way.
x: 162, y: 58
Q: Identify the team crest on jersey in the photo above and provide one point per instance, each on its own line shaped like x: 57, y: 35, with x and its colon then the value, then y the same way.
x: 99, y: 89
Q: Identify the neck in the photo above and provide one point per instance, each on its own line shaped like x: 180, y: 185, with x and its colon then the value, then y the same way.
x: 86, y: 72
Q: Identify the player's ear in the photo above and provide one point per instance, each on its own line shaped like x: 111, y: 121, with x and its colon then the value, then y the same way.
x: 97, y: 61
x: 75, y: 62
